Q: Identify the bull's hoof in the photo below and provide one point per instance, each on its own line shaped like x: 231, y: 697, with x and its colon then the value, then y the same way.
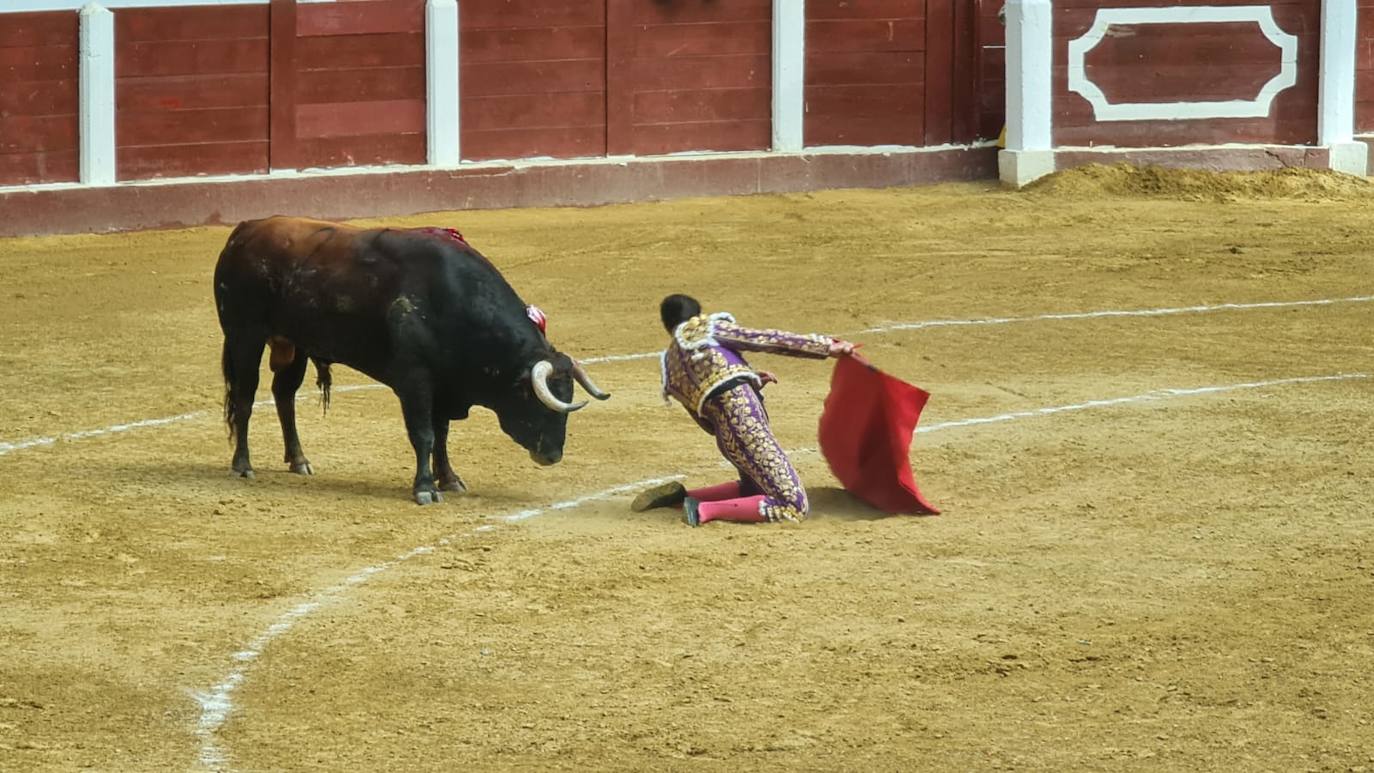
x: 428, y: 497
x: 302, y: 468
x: 454, y: 484
x: 246, y: 472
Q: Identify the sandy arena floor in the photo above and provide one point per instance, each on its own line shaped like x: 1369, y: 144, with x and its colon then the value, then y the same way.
x: 1179, y: 583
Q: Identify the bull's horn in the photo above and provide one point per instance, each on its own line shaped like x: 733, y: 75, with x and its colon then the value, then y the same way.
x: 580, y: 373
x: 539, y: 379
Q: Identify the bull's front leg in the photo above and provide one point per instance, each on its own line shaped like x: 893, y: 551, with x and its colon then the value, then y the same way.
x: 448, y: 479
x: 417, y: 407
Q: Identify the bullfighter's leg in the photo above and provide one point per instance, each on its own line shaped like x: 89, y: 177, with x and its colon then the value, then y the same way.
x: 242, y: 356
x: 745, y: 439
x: 286, y: 379
x: 448, y: 479
x: 417, y: 407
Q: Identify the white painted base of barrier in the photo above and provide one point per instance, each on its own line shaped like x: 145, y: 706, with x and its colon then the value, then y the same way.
x: 1350, y: 157
x: 1019, y: 168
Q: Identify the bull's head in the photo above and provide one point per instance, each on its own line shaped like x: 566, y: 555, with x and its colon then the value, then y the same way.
x: 535, y: 413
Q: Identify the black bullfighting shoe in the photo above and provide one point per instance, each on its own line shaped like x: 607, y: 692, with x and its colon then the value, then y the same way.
x: 668, y: 494
x: 692, y: 508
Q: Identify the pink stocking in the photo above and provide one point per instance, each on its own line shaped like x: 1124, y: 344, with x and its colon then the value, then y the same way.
x: 743, y: 510
x: 715, y: 493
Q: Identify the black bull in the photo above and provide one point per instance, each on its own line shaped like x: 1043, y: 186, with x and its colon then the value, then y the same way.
x: 426, y: 315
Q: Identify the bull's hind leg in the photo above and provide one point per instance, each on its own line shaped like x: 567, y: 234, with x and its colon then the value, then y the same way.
x: 288, y: 369
x: 242, y: 355
x: 448, y: 479
x: 417, y: 406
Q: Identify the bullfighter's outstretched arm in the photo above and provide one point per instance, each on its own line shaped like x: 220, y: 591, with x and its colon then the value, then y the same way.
x: 772, y: 341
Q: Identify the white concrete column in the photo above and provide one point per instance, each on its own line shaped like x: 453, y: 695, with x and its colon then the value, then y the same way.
x: 1030, y: 55
x: 97, y: 96
x: 441, y: 82
x: 1336, y: 102
x: 789, y: 74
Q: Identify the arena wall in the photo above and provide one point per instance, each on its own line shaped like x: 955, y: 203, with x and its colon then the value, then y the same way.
x: 38, y: 97
x: 1226, y: 84
x: 228, y: 92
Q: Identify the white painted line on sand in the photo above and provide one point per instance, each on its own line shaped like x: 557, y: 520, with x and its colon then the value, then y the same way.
x: 20, y: 445
x: 217, y: 703
x: 1153, y: 396
x: 1109, y: 313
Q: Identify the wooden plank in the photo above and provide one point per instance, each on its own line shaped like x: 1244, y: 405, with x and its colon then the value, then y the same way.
x: 282, y: 151
x: 841, y: 101
x: 866, y: 67
x: 939, y: 87
x: 1364, y: 116
x: 360, y: 85
x: 349, y: 119
x: 535, y: 111
x: 566, y: 142
x: 868, y: 130
x: 191, y: 92
x: 46, y: 28
x: 28, y: 168
x: 699, y: 11
x: 992, y: 92
x: 1364, y: 103
x: 622, y: 77
x: 1302, y: 20
x: 1156, y: 81
x: 204, y: 22
x: 151, y: 161
x: 180, y: 57
x: 179, y: 127
x: 35, y: 133
x: 390, y: 49
x: 706, y: 72
x: 869, y: 35
x: 504, y: 14
x: 533, y: 45
x: 1093, y: 4
x: 656, y: 139
x: 42, y: 63
x: 865, y: 9
x: 484, y: 80
x: 362, y: 151
x: 664, y: 40
x: 38, y: 97
x: 695, y: 105
x: 360, y: 18
x: 964, y: 74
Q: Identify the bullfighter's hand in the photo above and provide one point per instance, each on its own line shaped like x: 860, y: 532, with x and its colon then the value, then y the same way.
x: 766, y: 378
x: 840, y: 347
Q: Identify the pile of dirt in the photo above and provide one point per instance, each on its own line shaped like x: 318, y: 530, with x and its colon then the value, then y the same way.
x: 1123, y: 179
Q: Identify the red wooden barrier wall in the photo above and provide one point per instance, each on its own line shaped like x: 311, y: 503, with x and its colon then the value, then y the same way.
x: 1157, y: 63
x: 359, y: 88
x: 1364, y: 69
x: 897, y: 72
x: 688, y: 75
x: 533, y: 79
x: 991, y: 63
x: 191, y: 91
x: 38, y: 98
x: 243, y: 89
x: 865, y: 72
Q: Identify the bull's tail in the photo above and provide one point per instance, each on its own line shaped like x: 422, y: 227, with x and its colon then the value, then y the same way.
x: 230, y: 415
x: 323, y: 380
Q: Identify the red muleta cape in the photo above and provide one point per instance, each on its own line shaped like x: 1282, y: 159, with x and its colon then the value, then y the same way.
x: 865, y: 435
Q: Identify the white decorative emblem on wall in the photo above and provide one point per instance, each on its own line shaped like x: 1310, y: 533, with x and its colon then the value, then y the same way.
x: 1258, y: 107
